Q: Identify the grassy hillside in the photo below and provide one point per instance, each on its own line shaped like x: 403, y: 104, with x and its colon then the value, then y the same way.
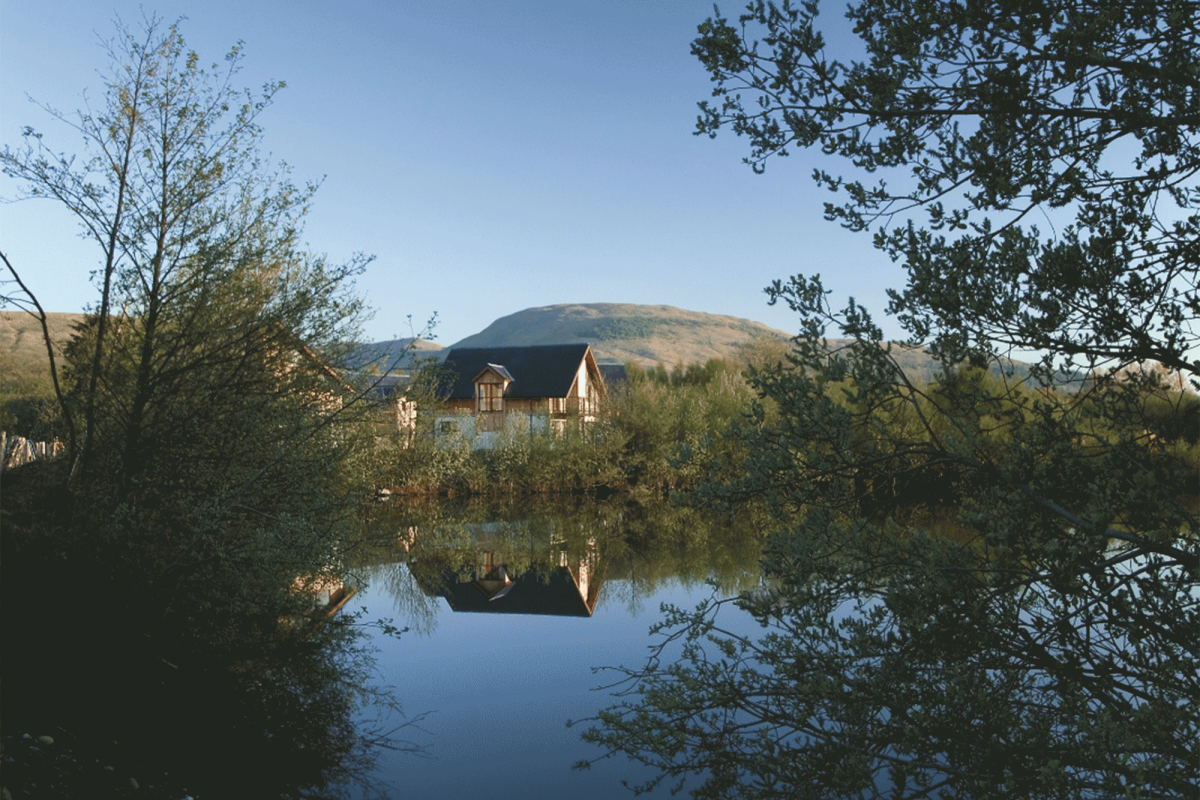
x: 24, y: 366
x: 626, y: 332
x: 25, y: 386
x: 641, y: 334
x: 618, y: 332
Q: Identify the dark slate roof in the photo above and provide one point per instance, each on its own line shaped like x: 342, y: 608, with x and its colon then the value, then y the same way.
x: 382, y: 387
x: 537, y: 371
x: 554, y: 594
x: 613, y: 373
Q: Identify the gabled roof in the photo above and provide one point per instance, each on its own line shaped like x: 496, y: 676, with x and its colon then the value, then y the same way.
x: 496, y: 368
x: 537, y: 371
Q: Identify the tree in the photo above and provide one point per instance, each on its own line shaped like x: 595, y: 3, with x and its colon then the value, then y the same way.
x: 213, y: 329
x: 220, y: 459
x: 985, y: 586
x: 991, y: 116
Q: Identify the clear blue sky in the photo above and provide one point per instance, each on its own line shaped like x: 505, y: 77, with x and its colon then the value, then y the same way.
x: 493, y: 156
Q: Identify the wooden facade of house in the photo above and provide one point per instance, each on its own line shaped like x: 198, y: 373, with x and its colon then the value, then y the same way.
x: 538, y: 385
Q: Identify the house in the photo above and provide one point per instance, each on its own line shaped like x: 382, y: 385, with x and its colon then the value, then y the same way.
x: 493, y: 390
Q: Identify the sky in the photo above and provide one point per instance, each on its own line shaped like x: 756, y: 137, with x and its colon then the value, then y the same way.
x: 491, y: 156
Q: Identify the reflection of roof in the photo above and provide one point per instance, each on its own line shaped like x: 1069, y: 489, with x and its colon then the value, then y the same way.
x: 555, y: 593
x: 537, y: 371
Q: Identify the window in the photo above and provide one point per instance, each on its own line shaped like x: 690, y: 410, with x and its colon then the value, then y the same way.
x: 489, y: 397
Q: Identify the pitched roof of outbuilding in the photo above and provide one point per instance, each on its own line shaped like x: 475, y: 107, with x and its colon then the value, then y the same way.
x: 537, y: 371
x: 613, y: 373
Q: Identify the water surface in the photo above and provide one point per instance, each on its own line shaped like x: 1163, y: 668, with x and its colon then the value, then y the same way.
x: 500, y: 676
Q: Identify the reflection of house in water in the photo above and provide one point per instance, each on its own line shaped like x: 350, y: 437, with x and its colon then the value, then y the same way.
x: 557, y: 593
x: 560, y: 584
x: 329, y: 596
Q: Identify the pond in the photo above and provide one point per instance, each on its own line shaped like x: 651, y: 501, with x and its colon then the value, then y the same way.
x: 510, y: 613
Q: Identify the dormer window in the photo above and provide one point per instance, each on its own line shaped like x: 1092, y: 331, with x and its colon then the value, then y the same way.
x: 490, y: 385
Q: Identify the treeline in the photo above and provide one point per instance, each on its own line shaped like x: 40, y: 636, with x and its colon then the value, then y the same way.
x: 672, y: 429
x: 644, y: 426
x: 160, y: 578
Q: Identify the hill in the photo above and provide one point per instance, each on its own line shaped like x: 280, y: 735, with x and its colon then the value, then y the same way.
x: 23, y: 361
x: 650, y: 335
x: 393, y: 353
x: 626, y: 332
x: 618, y: 332
x: 24, y: 366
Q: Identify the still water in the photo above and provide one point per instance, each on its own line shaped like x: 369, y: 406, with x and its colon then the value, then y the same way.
x: 510, y: 619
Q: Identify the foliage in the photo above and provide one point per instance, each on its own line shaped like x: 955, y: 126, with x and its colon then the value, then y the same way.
x: 216, y: 462
x: 643, y: 425
x: 987, y: 586
x: 664, y: 415
x: 1004, y: 654
x: 985, y: 116
x: 206, y: 410
x: 624, y: 328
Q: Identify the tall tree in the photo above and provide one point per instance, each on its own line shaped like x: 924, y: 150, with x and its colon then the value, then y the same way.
x: 221, y: 460
x: 986, y: 586
x: 175, y: 194
x: 206, y: 301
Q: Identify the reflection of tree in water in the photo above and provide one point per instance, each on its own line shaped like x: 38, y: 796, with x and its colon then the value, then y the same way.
x: 270, y: 716
x: 418, y: 609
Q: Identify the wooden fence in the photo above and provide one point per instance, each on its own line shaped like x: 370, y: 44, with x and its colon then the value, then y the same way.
x: 17, y: 450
